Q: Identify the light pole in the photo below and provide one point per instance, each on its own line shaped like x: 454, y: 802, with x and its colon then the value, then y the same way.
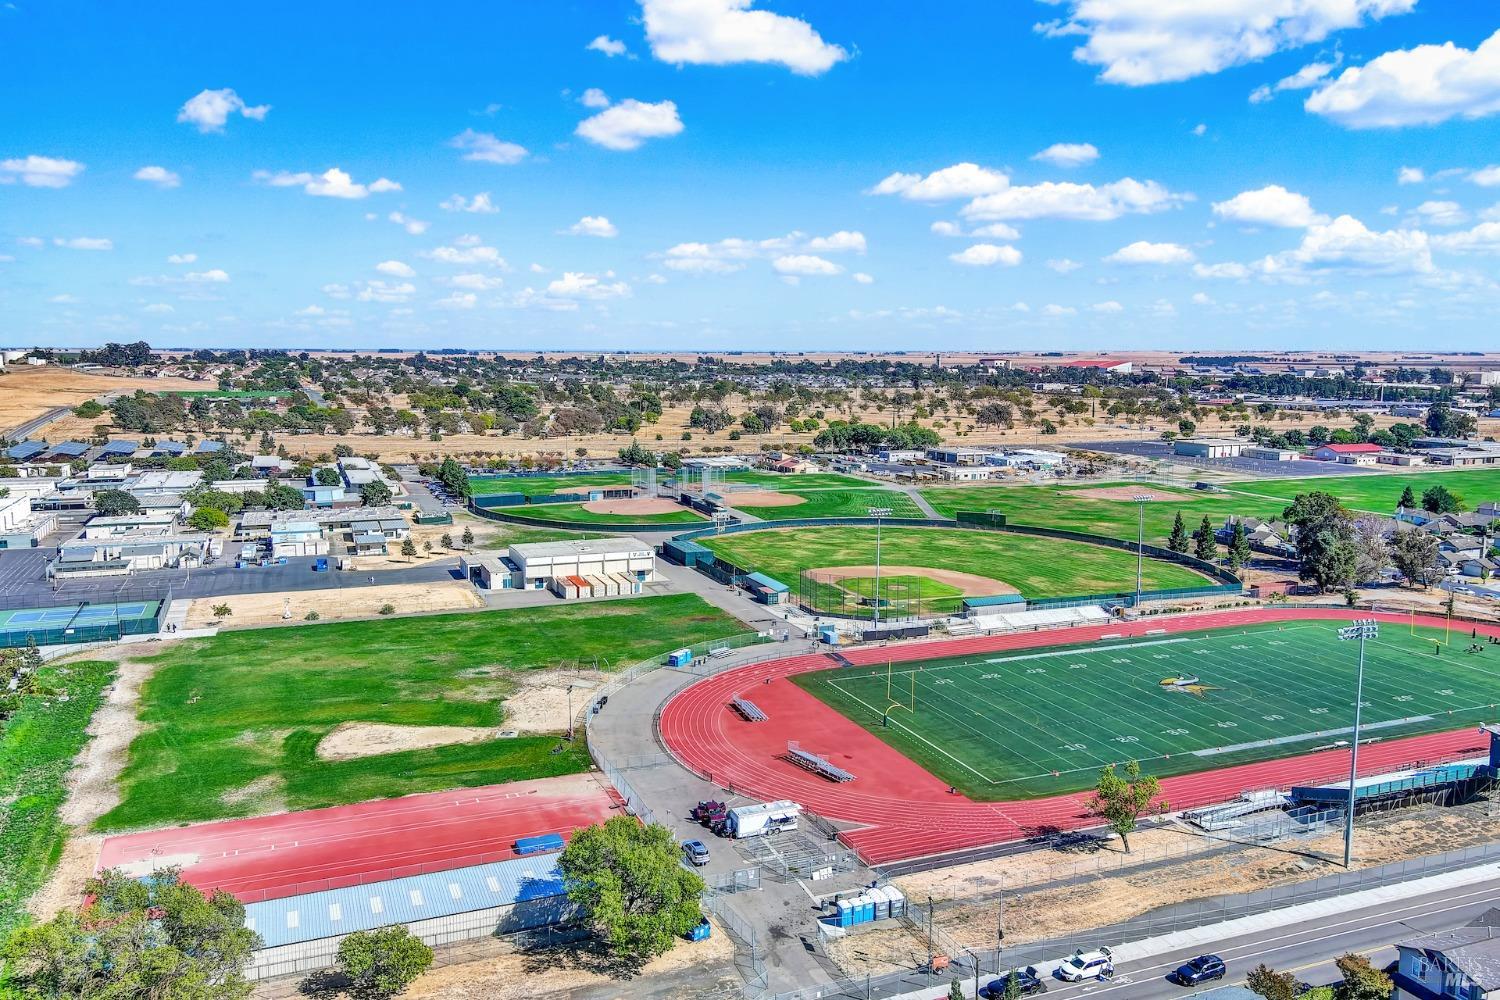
x: 570, y: 713
x: 1361, y: 629
x: 878, y: 513
x: 1140, y: 540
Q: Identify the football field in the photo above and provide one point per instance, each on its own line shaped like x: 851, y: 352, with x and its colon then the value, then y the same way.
x: 1044, y: 722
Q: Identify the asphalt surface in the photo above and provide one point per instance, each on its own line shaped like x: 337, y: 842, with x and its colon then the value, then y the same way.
x: 20, y: 432
x: 1162, y: 451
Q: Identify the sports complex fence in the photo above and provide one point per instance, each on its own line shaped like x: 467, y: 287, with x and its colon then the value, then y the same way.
x: 100, y: 617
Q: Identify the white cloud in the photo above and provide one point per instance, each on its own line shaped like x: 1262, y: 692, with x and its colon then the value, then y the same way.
x: 1055, y: 200
x: 210, y: 109
x: 962, y: 180
x: 863, y: 278
x: 1140, y: 42
x: 1063, y: 265
x: 805, y: 264
x: 1068, y: 154
x: 479, y: 204
x: 1346, y: 245
x: 40, y: 171
x: 213, y: 276
x: 84, y: 242
x: 182, y: 258
x: 1143, y: 252
x: 594, y: 98
x: 386, y: 291
x: 944, y: 228
x: 1107, y: 307
x: 396, y: 269
x: 336, y: 291
x: 1485, y: 176
x: 1440, y: 213
x: 729, y: 255
x: 1483, y: 238
x: 416, y: 227
x: 1053, y: 309
x: 467, y: 250
x: 64, y: 299
x: 313, y: 310
x: 995, y: 230
x: 160, y: 176
x: 160, y: 308
x: 1410, y: 175
x: 482, y: 147
x: 457, y: 300
x: 719, y: 32
x: 473, y: 282
x: 1202, y: 299
x: 1272, y: 205
x: 593, y: 225
x: 987, y: 255
x: 1200, y: 129
x: 609, y: 46
x: 31, y: 241
x: 838, y: 242
x: 574, y: 285
x: 1228, y: 269
x: 1306, y: 78
x: 630, y: 123
x: 1417, y: 86
x: 331, y: 183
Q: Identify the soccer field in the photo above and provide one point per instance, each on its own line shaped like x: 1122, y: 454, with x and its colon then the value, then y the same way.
x: 1044, y: 722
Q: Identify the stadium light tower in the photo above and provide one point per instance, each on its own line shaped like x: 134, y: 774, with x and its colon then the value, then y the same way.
x: 1140, y: 540
x: 879, y: 514
x: 1361, y: 629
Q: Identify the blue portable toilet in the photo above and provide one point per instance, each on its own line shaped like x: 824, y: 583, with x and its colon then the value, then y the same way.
x: 701, y: 931
x: 828, y: 635
x: 866, y: 908
x: 680, y: 657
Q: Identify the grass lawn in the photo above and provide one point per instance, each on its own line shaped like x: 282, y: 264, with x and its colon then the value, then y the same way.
x: 1035, y: 723
x: 575, y: 512
x: 537, y: 486
x: 891, y: 587
x: 519, y: 534
x: 232, y: 722
x: 37, y: 747
x: 1380, y: 492
x: 795, y: 481
x: 1067, y: 507
x: 835, y: 503
x: 1037, y: 567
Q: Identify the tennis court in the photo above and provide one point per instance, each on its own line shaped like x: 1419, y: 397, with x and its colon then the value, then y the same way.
x: 1044, y: 722
x: 77, y: 622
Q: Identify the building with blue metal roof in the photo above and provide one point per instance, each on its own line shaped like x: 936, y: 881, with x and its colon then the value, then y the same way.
x: 120, y: 447
x: 302, y: 933
x: 69, y: 449
x: 25, y: 450
x: 169, y: 448
x: 209, y: 447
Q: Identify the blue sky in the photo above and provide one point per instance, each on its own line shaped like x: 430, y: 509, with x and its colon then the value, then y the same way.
x: 719, y: 174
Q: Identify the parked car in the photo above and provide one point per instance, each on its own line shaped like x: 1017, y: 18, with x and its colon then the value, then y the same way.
x: 1028, y: 983
x: 1086, y: 965
x: 696, y: 852
x: 708, y: 811
x: 1202, y: 969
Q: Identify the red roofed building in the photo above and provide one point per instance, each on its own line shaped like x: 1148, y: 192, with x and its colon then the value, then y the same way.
x: 1349, y: 454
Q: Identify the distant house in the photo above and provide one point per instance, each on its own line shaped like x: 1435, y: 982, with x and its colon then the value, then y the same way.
x: 271, y: 465
x: 1349, y: 454
x: 1461, y: 964
x: 1271, y: 537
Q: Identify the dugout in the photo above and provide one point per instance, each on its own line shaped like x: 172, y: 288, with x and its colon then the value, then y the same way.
x: 766, y: 590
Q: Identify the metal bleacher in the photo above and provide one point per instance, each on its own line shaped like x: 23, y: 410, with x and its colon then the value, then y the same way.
x: 816, y: 764
x: 748, y: 710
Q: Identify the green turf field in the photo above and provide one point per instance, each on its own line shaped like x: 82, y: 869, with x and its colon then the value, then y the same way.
x: 1380, y: 492
x: 232, y: 723
x: 575, y: 512
x: 795, y: 481
x: 1065, y: 507
x: 536, y: 486
x: 1043, y: 722
x: 834, y: 503
x: 1037, y: 567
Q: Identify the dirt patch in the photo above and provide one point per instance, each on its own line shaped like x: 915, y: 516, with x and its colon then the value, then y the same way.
x: 540, y: 702
x: 352, y: 740
x: 1127, y: 493
x: 971, y: 584
x: 645, y: 505
x: 63, y: 890
x: 261, y: 610
x: 30, y: 392
x: 764, y: 498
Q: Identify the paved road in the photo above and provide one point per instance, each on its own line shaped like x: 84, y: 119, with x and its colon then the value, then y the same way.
x: 22, y: 431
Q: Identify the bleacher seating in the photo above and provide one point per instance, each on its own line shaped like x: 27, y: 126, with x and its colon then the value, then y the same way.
x: 816, y: 764
x: 749, y: 711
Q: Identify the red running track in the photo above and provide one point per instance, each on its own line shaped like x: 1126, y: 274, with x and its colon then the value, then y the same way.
x: 903, y: 811
x: 269, y: 857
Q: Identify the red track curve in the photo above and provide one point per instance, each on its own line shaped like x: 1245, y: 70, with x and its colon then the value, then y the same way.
x: 902, y: 810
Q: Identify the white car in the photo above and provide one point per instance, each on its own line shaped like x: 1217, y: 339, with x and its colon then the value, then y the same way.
x: 1085, y: 965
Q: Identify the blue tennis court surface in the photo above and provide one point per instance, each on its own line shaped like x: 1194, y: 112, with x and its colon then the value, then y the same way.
x: 74, y: 615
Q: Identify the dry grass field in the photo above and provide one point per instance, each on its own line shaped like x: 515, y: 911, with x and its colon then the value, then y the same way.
x: 26, y: 393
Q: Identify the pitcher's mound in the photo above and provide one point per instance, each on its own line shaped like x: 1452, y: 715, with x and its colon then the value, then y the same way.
x: 648, y: 505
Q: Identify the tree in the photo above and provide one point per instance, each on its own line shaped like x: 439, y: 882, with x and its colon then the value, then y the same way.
x: 1441, y: 500
x: 447, y: 540
x: 381, y: 963
x: 995, y: 415
x: 626, y: 880
x: 115, y: 503
x: 279, y: 497
x: 453, y: 476
x: 1408, y: 500
x: 636, y: 454
x: 468, y: 535
x: 1177, y: 541
x: 1371, y: 553
x: 163, y: 939
x: 208, y: 519
x: 1413, y: 553
x: 1239, y: 546
x: 1204, y: 545
x: 375, y: 493
x: 1271, y: 984
x: 1362, y: 981
x: 327, y: 477
x: 1325, y: 540
x: 1119, y: 799
x: 408, y: 547
x: 955, y: 990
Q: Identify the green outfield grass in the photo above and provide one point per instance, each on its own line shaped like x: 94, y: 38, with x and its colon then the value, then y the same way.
x: 231, y: 723
x: 575, y: 512
x: 1380, y: 492
x: 1037, y: 567
x: 1067, y: 508
x: 834, y: 503
x: 37, y: 747
x: 892, y: 586
x: 1043, y: 722
x: 795, y: 481
x: 537, y: 486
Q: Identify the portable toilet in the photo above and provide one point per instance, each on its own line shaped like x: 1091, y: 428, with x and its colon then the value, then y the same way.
x: 828, y: 635
x: 882, y: 903
x: 895, y: 901
x: 845, y: 915
x: 680, y: 657
x: 866, y: 908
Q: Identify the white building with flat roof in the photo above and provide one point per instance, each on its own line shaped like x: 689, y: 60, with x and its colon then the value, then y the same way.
x: 539, y: 563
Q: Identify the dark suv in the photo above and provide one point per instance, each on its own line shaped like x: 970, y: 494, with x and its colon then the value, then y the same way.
x: 1200, y: 970
x: 1027, y: 983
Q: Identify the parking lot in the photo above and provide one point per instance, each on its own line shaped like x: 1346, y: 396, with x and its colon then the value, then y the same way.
x: 1161, y: 451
